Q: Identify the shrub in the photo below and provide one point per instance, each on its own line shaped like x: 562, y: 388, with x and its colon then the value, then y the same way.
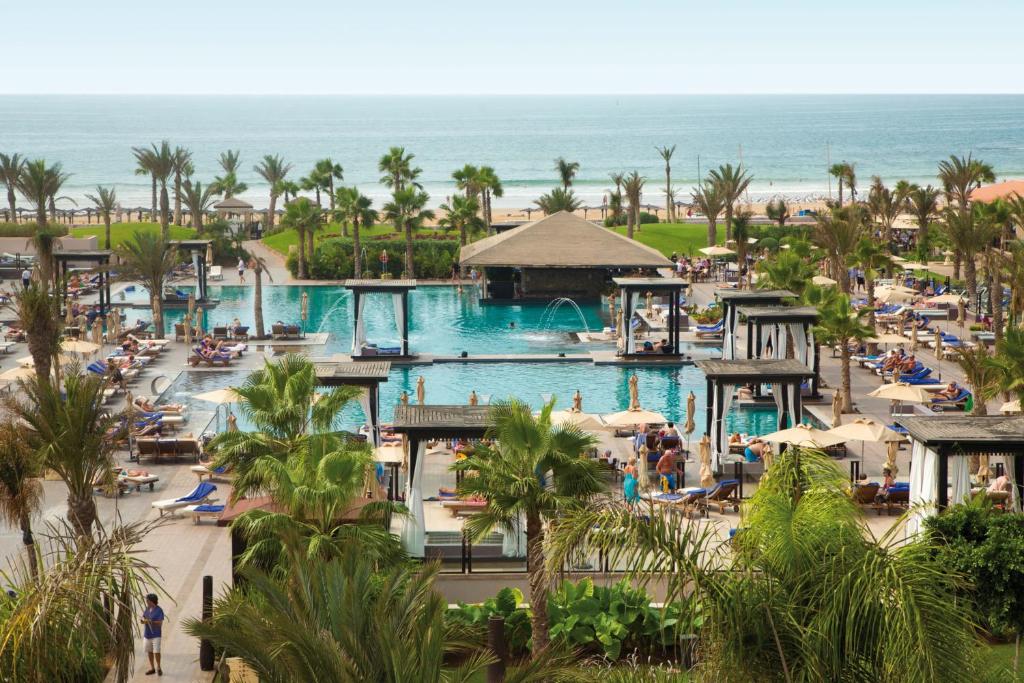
x: 769, y: 243
x: 646, y: 218
x: 332, y: 260
x: 26, y: 229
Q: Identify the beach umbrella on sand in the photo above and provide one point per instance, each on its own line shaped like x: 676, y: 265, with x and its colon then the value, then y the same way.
x: 473, y: 400
x: 421, y: 391
x: 804, y: 435
x: 707, y: 477
x: 228, y: 395
x: 837, y: 408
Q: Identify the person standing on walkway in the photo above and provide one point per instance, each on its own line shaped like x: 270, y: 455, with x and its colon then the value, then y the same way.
x: 241, y: 269
x: 26, y: 278
x: 153, y: 621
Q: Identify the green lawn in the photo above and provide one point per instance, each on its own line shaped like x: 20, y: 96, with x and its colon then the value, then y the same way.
x: 1001, y: 659
x: 683, y: 238
x: 281, y: 241
x: 122, y: 232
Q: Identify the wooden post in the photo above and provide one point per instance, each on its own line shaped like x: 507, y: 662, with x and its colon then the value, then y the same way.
x: 205, y: 646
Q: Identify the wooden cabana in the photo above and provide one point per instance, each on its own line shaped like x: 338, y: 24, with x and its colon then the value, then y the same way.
x: 778, y: 324
x: 630, y: 290
x: 399, y: 291
x: 97, y: 261
x: 196, y: 249
x: 730, y: 300
x: 367, y: 376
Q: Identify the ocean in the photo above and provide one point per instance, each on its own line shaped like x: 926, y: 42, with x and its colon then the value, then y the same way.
x: 785, y: 141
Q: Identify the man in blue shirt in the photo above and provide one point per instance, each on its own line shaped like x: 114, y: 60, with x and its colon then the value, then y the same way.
x: 153, y: 621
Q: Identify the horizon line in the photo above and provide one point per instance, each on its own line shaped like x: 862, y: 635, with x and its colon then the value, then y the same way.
x: 515, y: 94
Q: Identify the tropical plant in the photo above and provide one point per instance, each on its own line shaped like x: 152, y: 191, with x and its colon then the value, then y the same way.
x: 396, y: 165
x: 1014, y: 264
x: 960, y: 175
x: 777, y: 211
x: 259, y: 268
x: 840, y: 172
x: 11, y: 166
x: 273, y: 169
x: 490, y: 186
x: 873, y: 257
x: 181, y: 162
x: 38, y: 312
x: 105, y: 201
x: 786, y: 270
x: 838, y: 232
x: 326, y: 171
x: 510, y: 473
x: 230, y: 161
x: 149, y: 259
x: 228, y: 185
x: 886, y: 205
x: 981, y: 374
x: 461, y: 214
x: 21, y: 491
x: 666, y: 153
x: 741, y: 233
x: 567, y: 171
x: 730, y: 183
x: 407, y: 211
x: 71, y: 432
x: 839, y: 323
x: 709, y: 202
x: 143, y: 167
x: 558, y: 200
x: 198, y: 200
x: 1009, y: 359
x: 288, y: 190
x: 969, y: 231
x: 355, y: 207
x: 633, y: 186
x: 999, y: 215
x: 467, y: 179
x: 923, y: 202
x: 39, y: 184
x: 160, y: 162
x: 303, y: 216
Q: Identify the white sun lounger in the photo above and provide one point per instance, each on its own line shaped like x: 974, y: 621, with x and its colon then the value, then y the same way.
x: 198, y: 512
x: 199, y: 495
x: 216, y: 273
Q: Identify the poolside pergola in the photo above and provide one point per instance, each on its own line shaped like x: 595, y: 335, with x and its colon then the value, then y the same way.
x: 785, y: 376
x: 233, y: 206
x: 399, y: 291
x: 631, y: 289
x: 732, y: 299
x: 941, y: 448
x: 98, y: 260
x: 778, y: 324
x: 197, y: 250
x: 420, y: 424
x: 365, y: 375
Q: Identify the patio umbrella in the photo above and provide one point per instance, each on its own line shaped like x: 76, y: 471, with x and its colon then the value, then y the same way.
x: 1010, y: 407
x: 892, y: 450
x: 611, y: 310
x: 961, y: 312
x: 97, y: 332
x: 914, y: 265
x: 913, y: 338
x: 938, y: 343
x: 421, y: 391
x: 228, y: 395
x: 64, y: 359
x: 69, y: 318
x: 804, y: 435
x: 199, y: 320
x: 716, y: 251
x: 949, y: 299
x: 577, y: 402
x: 187, y: 323
x: 15, y: 374
x: 585, y: 421
x: 634, y: 392
x: 887, y: 338
x: 892, y: 296
x: 866, y: 429
x: 767, y: 457
x: 899, y: 391
x: 191, y: 305
x: 404, y: 398
x: 628, y: 418
x: 473, y: 400
x: 649, y: 302
x: 115, y: 324
x: 304, y: 307
x: 642, y: 475
x: 80, y: 347
x: 823, y: 281
x: 209, y: 254
x: 707, y: 477
x: 837, y: 408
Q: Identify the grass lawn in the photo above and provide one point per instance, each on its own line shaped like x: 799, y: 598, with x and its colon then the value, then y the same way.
x: 682, y: 238
x: 1002, y: 659
x: 281, y: 241
x: 123, y: 232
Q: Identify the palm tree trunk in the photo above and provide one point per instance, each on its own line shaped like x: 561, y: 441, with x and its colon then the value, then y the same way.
x: 971, y: 276
x: 302, y: 253
x: 712, y: 231
x: 996, y: 299
x: 330, y: 190
x: 728, y: 222
x: 30, y: 544
x: 957, y: 261
x: 271, y: 210
x: 844, y: 276
x: 869, y: 283
x: 106, y: 231
x: 538, y: 582
x: 844, y: 357
x: 318, y: 196
x: 257, y: 301
x: 840, y: 192
x: 152, y: 215
x: 165, y: 214
x: 669, y: 208
x: 11, y: 203
x: 311, y: 250
x: 81, y: 513
x: 177, y: 198
x: 629, y: 223
x: 156, y: 302
x: 409, y: 268
x: 357, y: 255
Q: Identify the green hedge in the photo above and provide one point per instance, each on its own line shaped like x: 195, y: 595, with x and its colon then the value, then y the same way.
x: 332, y: 260
x: 25, y: 229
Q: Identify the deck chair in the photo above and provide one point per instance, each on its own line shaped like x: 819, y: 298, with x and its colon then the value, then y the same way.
x: 277, y: 331
x: 711, y: 330
x: 896, y: 499
x: 221, y: 472
x: 197, y: 359
x: 216, y: 273
x: 724, y: 495
x: 197, y: 496
x: 463, y: 507
x: 864, y: 495
x: 207, y: 510
x: 690, y: 502
x: 220, y: 332
x: 956, y: 403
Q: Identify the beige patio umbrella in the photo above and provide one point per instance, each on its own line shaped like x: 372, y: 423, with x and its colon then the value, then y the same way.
x: 187, y: 324
x: 473, y: 400
x: 97, y: 332
x: 191, y: 305
x: 611, y: 310
x: 629, y: 418
x: 642, y: 475
x: 209, y: 254
x: 767, y: 457
x: 823, y: 281
x: 649, y: 302
x: 866, y: 429
x: 804, y: 435
x: 913, y: 338
x: 938, y: 343
x: 421, y: 390
x: 984, y: 473
x: 634, y: 392
x: 902, y: 393
x: 199, y: 320
x: 64, y: 359
x: 892, y: 450
x: 716, y: 251
x: 707, y: 476
x: 228, y: 395
x: 69, y: 318
x: 585, y: 421
x: 14, y: 374
x: 83, y: 348
x: 1010, y: 407
x: 887, y: 338
x: 837, y: 408
x: 892, y: 296
x: 115, y: 324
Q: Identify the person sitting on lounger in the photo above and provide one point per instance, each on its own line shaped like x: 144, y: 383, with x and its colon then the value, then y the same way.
x: 1000, y: 485
x: 888, y: 481
x: 666, y: 469
x: 951, y: 391
x: 754, y: 450
x: 735, y: 438
x: 745, y: 393
x: 908, y: 364
x: 145, y: 404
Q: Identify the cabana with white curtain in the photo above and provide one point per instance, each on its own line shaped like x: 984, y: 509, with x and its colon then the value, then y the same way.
x: 732, y: 299
x: 631, y: 290
x: 724, y: 376
x: 399, y: 291
x: 941, y: 449
x: 779, y: 324
x: 367, y: 376
x: 421, y: 424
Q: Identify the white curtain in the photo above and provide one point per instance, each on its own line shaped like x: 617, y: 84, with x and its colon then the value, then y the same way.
x: 794, y: 414
x: 627, y: 325
x: 1009, y: 472
x: 364, y: 403
x: 799, y: 342
x: 720, y: 431
x: 924, y: 473
x: 729, y: 340
x: 359, y: 333
x: 766, y: 334
x: 781, y: 339
x: 514, y: 544
x: 414, y: 531
x: 396, y: 301
x: 812, y: 351
x: 959, y: 468
x: 777, y: 395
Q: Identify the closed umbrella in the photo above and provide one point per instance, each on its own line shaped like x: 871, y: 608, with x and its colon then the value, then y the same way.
x: 938, y: 343
x: 97, y: 332
x: 913, y: 338
x: 115, y: 324
x: 804, y: 435
x: 187, y: 323
x: 209, y: 254
x: 691, y: 409
x: 837, y: 408
x: 961, y: 312
x: 421, y: 391
x: 191, y: 305
x: 892, y: 449
x: 707, y: 477
x: 642, y: 475
x: 69, y: 318
x: 304, y: 307
x: 199, y: 320
x: 649, y: 303
x: 634, y: 392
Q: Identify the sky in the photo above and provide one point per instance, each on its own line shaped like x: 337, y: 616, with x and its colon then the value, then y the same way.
x: 512, y: 47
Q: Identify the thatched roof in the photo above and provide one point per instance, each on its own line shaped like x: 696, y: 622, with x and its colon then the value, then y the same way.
x: 561, y: 240
x: 233, y: 204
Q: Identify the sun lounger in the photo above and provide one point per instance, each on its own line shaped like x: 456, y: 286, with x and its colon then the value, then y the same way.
x: 216, y: 273
x: 956, y: 403
x: 220, y: 332
x: 197, y: 358
x: 690, y: 501
x: 205, y: 510
x: 6, y: 346
x: 161, y: 447
x: 199, y: 495
x: 211, y: 474
x: 864, y: 494
x: 724, y: 495
x: 463, y: 507
x: 711, y: 330
x: 897, y: 498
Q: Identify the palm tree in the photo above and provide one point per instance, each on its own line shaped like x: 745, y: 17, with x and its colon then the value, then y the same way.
x: 850, y: 174
x: 567, y: 171
x: 633, y: 185
x: 407, y: 210
x: 38, y: 183
x: 143, y: 167
x: 149, y: 259
x: 490, y: 186
x: 709, y: 202
x: 396, y: 165
x: 105, y: 201
x: 969, y: 232
x: 666, y: 153
x: 356, y: 207
x: 873, y: 257
x: 998, y: 214
x: 328, y: 171
x: 70, y: 430
x: 731, y: 183
x: 303, y: 216
x: 838, y: 171
x: 1009, y: 359
x: 558, y: 200
x: 10, y: 170
x: 777, y: 211
x: 886, y: 205
x: 228, y: 184
x: 21, y: 492
x: 960, y: 175
x: 923, y: 202
x: 198, y: 200
x: 1014, y: 264
x: 467, y: 179
x: 461, y: 215
x: 259, y: 267
x: 740, y: 233
x: 288, y: 190
x: 38, y: 313
x: 182, y: 168
x: 160, y: 161
x: 839, y: 323
x: 838, y: 233
x: 510, y: 473
x: 273, y: 170
x: 982, y: 374
x: 230, y: 161
x: 785, y: 270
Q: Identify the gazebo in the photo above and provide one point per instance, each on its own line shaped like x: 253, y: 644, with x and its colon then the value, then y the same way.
x: 779, y: 324
x: 234, y: 207
x: 420, y: 424
x: 399, y: 291
x: 631, y: 289
x: 365, y: 375
x: 97, y: 260
x: 723, y: 378
x: 732, y: 299
x: 197, y: 250
x: 561, y: 255
x: 941, y: 448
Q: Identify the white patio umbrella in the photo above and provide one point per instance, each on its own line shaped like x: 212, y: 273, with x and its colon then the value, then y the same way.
x: 628, y: 418
x: 804, y: 435
x: 823, y: 281
x: 716, y: 251
x: 228, y: 395
x: 585, y: 421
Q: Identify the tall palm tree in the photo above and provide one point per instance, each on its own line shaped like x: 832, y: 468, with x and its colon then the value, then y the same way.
x: 273, y: 169
x: 839, y: 323
x: 461, y: 214
x: 228, y: 184
x: 302, y: 216
x: 510, y: 473
x: 37, y: 183
x: 1009, y: 359
x: 567, y: 171
x: 633, y: 186
x: 558, y: 200
x: 709, y: 202
x: 11, y: 166
x: 259, y: 268
x: 1014, y: 265
x: 149, y: 259
x: 161, y: 163
x: 230, y: 161
x: 467, y: 179
x: 886, y: 205
x: 70, y: 430
x: 21, y: 492
x: 666, y: 153
x: 617, y: 178
x: 288, y: 190
x: 105, y: 201
x: 838, y: 171
x: 357, y: 208
x: 741, y: 233
x: 923, y: 202
x: 983, y: 376
x: 143, y: 167
x: 838, y: 233
x: 198, y: 200
x: 777, y: 211
x: 407, y: 210
x: 731, y: 183
x: 969, y: 232
x: 183, y: 168
x: 328, y: 171
x: 490, y: 186
x: 396, y: 165
x: 873, y: 257
x: 960, y: 175
x: 38, y: 312
x: 850, y: 174
x: 998, y: 214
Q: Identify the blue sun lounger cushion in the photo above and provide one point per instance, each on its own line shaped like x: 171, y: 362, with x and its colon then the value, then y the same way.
x: 209, y: 508
x: 199, y: 493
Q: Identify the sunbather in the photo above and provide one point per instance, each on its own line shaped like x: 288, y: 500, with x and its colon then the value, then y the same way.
x: 951, y: 391
x: 754, y: 450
